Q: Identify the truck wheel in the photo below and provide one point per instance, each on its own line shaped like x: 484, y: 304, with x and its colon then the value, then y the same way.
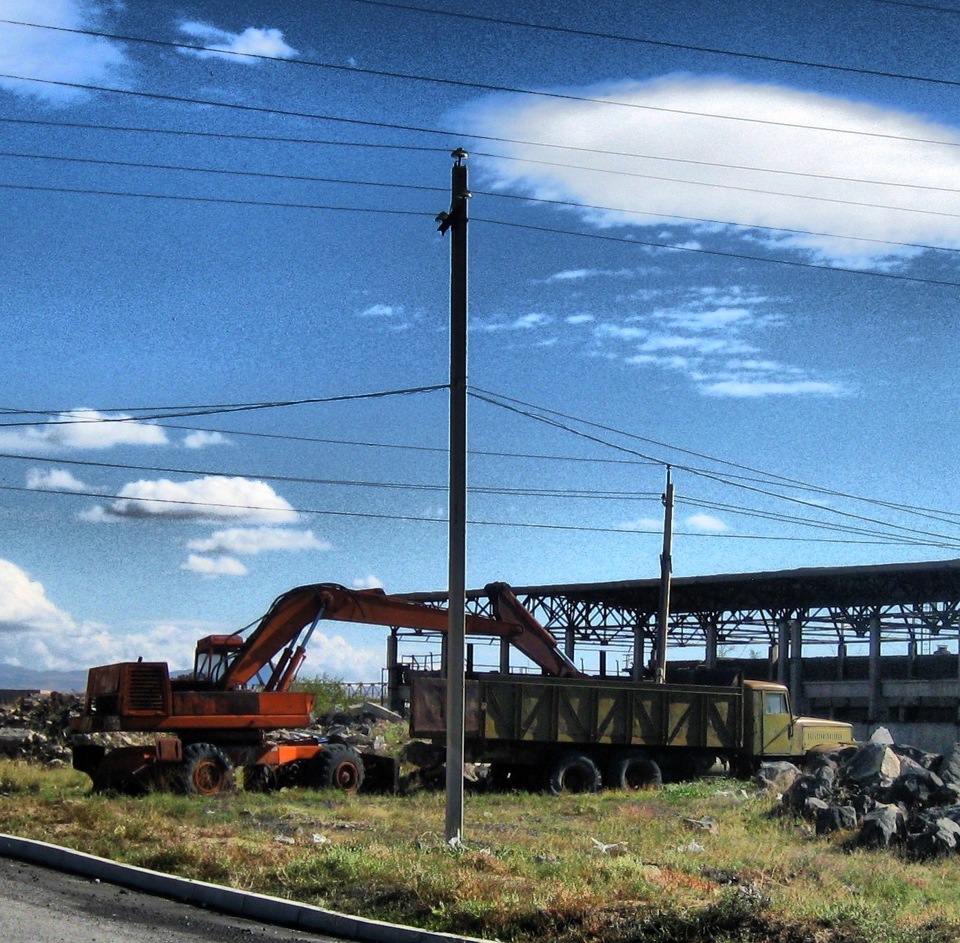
x: 337, y: 766
x: 573, y: 772
x: 205, y: 771
x: 634, y: 770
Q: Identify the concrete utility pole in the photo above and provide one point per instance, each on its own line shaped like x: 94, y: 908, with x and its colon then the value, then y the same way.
x: 666, y: 567
x: 456, y: 222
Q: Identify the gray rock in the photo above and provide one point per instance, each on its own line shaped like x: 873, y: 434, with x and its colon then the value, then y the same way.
x: 873, y: 765
x: 948, y: 769
x: 777, y: 777
x: 883, y: 827
x: 836, y: 818
x: 937, y: 839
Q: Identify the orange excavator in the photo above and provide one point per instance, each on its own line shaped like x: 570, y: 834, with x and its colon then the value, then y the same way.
x: 227, y: 712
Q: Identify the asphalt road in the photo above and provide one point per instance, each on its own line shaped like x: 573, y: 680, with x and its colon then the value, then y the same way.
x: 42, y: 906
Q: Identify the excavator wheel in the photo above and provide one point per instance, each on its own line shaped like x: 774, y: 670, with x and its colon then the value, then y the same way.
x: 205, y: 771
x: 337, y: 766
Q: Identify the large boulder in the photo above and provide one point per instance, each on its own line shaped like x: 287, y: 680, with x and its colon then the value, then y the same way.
x: 777, y: 777
x: 884, y: 827
x: 836, y: 818
x: 948, y: 769
x: 916, y: 788
x: 872, y: 766
x: 805, y: 788
x: 936, y: 838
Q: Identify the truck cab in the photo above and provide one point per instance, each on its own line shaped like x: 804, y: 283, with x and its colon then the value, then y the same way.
x: 774, y: 732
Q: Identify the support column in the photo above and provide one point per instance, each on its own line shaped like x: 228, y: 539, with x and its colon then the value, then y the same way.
x: 773, y: 661
x: 639, y: 644
x: 841, y: 660
x: 394, y: 699
x: 569, y: 642
x: 796, y: 665
x: 875, y: 711
x: 504, y: 656
x: 603, y: 662
x: 783, y: 647
x: 710, y: 638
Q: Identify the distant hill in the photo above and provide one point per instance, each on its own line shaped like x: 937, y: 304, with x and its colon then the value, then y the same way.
x: 14, y: 677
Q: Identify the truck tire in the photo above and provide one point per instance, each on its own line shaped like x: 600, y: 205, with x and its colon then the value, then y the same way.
x: 634, y: 769
x: 337, y: 766
x: 205, y: 771
x: 573, y: 772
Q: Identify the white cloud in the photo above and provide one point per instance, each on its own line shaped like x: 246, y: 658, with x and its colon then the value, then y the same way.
x: 56, y: 479
x: 706, y: 522
x: 250, y: 541
x: 524, y: 322
x: 620, y: 332
x: 642, y: 523
x: 56, y: 56
x: 239, y: 47
x: 582, y: 274
x: 38, y: 634
x: 333, y: 655
x: 801, y: 178
x: 201, y: 439
x: 381, y: 311
x: 368, y: 582
x: 207, y: 498
x: 24, y: 605
x: 214, y: 566
x: 579, y: 319
x: 748, y: 388
x: 85, y: 429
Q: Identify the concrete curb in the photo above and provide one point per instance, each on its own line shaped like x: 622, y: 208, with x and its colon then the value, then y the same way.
x: 260, y: 907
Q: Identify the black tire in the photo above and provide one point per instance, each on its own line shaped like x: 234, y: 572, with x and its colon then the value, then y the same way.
x: 634, y: 770
x: 573, y: 772
x: 205, y: 771
x: 337, y: 766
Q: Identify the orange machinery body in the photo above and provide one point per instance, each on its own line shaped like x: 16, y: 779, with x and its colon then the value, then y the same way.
x: 140, y: 696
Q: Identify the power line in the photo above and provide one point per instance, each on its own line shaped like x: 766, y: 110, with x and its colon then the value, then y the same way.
x: 684, y: 47
x: 520, y: 197
x: 225, y: 135
x: 210, y: 410
x: 717, y: 477
x: 771, y: 478
x: 498, y: 21
x: 304, y: 178
x: 699, y: 250
x: 275, y: 204
x: 352, y: 483
x: 437, y: 520
x: 259, y: 109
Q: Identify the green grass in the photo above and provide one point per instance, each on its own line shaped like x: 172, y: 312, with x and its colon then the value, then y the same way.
x: 530, y: 867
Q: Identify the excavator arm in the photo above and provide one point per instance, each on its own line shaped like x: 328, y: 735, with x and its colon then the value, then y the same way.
x: 285, y: 630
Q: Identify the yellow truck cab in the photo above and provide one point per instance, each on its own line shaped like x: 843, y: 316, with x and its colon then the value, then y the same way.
x: 773, y: 731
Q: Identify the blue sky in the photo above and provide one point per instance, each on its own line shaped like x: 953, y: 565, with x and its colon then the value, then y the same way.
x: 724, y: 240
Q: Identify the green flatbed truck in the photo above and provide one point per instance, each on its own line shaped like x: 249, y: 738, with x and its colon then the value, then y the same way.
x: 576, y: 734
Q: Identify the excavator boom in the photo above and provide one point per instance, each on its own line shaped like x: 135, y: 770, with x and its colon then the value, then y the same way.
x: 302, y: 608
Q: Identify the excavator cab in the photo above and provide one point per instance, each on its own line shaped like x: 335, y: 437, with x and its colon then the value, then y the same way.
x: 215, y: 654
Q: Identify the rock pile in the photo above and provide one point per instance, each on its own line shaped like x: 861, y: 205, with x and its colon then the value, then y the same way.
x: 885, y: 794
x: 35, y: 728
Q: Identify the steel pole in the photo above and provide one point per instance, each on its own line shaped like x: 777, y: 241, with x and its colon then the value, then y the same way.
x: 666, y: 567
x: 456, y: 221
